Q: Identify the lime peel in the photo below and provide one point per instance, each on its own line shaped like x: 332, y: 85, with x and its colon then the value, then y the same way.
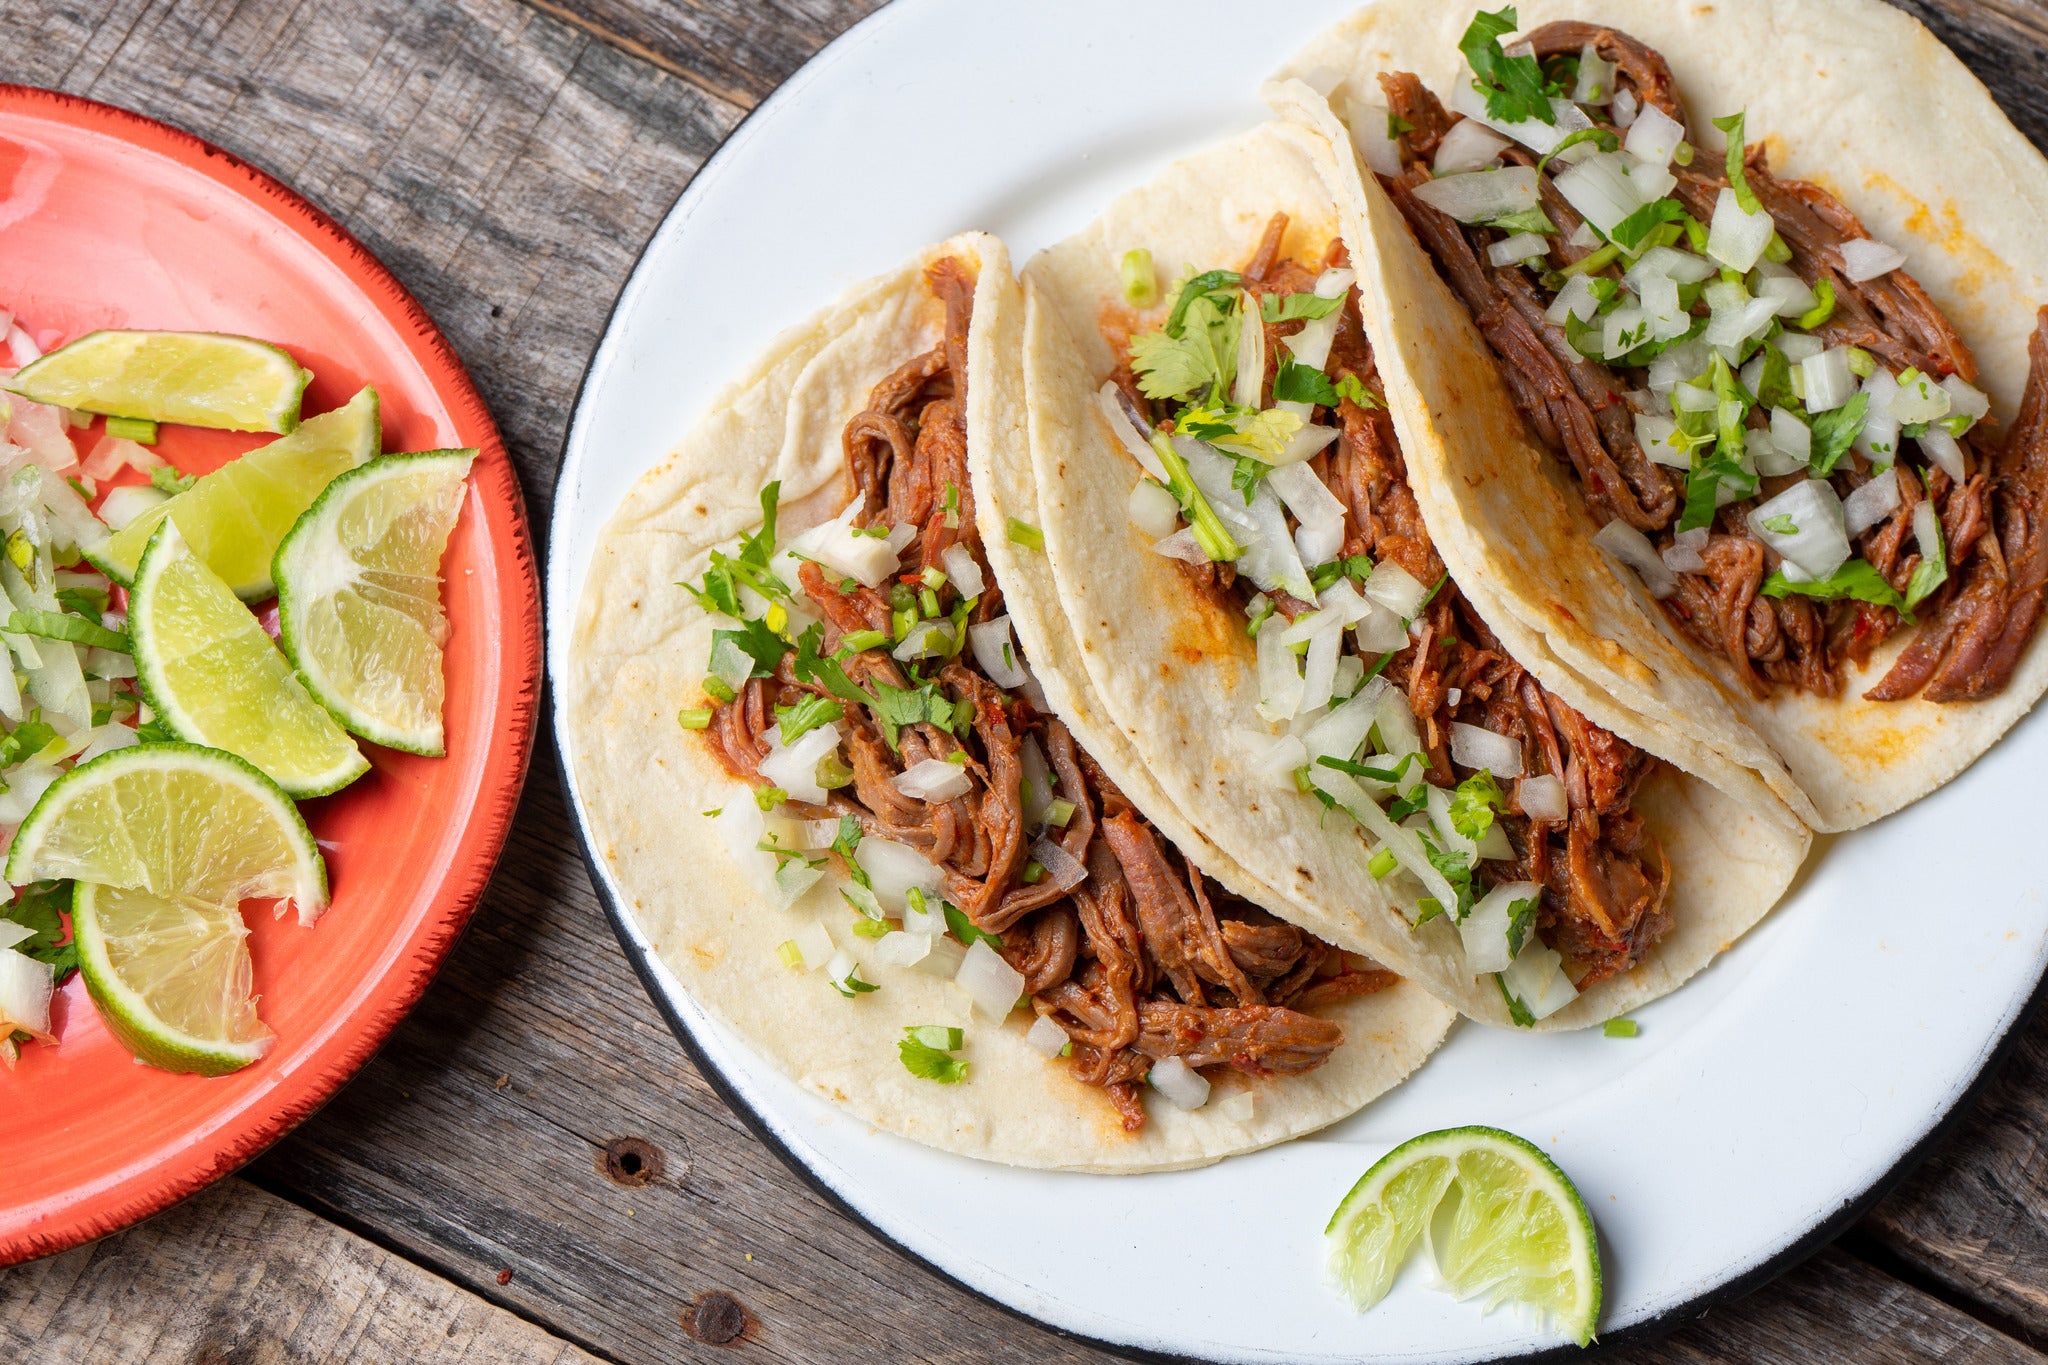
x: 199, y: 379
x: 1503, y: 1223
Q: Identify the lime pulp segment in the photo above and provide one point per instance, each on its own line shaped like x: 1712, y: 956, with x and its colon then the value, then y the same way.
x: 1503, y: 1223
x: 234, y: 517
x: 176, y: 820
x: 199, y: 379
x: 171, y: 977
x: 359, y: 595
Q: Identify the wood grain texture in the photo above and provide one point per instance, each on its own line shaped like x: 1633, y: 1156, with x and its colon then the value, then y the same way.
x: 234, y: 1274
x: 508, y: 160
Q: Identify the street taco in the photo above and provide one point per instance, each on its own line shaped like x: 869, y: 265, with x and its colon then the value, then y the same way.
x: 840, y: 760
x: 1795, y: 388
x: 1261, y: 607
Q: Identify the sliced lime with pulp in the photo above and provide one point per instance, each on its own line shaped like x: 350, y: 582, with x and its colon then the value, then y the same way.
x: 234, y: 517
x: 200, y: 379
x: 171, y: 977
x: 173, y: 820
x: 1503, y: 1222
x: 216, y: 679
x: 359, y: 595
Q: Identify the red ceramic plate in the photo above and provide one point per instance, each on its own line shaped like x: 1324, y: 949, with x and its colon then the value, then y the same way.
x: 108, y: 219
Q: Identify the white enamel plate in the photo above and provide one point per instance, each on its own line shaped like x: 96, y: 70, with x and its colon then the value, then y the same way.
x: 1761, y: 1107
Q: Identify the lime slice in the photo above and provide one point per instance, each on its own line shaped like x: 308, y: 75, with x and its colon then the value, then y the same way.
x: 359, y: 595
x: 175, y: 820
x: 1503, y: 1222
x: 234, y: 517
x: 171, y: 977
x: 216, y: 679
x: 200, y: 379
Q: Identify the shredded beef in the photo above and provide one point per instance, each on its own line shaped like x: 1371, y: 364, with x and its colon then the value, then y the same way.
x: 1145, y: 958
x: 1971, y: 632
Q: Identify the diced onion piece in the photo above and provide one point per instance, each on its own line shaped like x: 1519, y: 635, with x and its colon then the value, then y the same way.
x: 1766, y: 458
x: 1920, y: 399
x: 1679, y: 363
x: 1319, y: 671
x: 839, y: 548
x: 113, y: 454
x: 1474, y: 746
x: 1403, y: 843
x: 993, y: 650
x: 1039, y: 794
x: 929, y: 922
x: 26, y: 785
x: 1792, y: 437
x: 1737, y: 239
x: 1311, y: 345
x: 1152, y: 510
x: 1595, y: 84
x: 1654, y: 137
x: 1110, y: 400
x: 1944, y: 450
x: 1522, y: 246
x: 1319, y: 514
x: 1683, y: 554
x: 1380, y: 630
x: 1485, y: 928
x: 1965, y: 399
x: 794, y: 768
x: 900, y: 536
x: 1927, y: 529
x: 1062, y: 869
x: 1627, y: 108
x: 26, y: 987
x: 1576, y: 300
x: 943, y: 962
x: 1468, y: 146
x: 1819, y: 544
x: 1871, y: 502
x: 1656, y: 435
x: 1622, y: 330
x: 1335, y: 282
x: 1342, y: 733
x: 12, y: 933
x: 814, y: 943
x: 1537, y: 979
x: 1790, y: 293
x: 1399, y: 735
x: 1342, y: 598
x: 1279, y: 676
x: 933, y: 779
x: 1045, y: 1037
x: 1248, y: 385
x: 1394, y: 588
x: 1481, y: 196
x: 895, y: 949
x: 107, y: 738
x: 894, y: 868
x: 1601, y: 189
x: 1280, y: 762
x: 1240, y: 1107
x: 1669, y: 263
x: 993, y: 984
x: 1633, y: 548
x: 817, y: 833
x: 926, y: 640
x: 1736, y: 316
x: 1183, y: 546
x: 1797, y: 346
x: 1828, y: 381
x: 839, y: 967
x: 1179, y: 1084
x: 1865, y: 258
x: 1369, y: 134
x: 124, y: 504
x: 964, y: 574
x: 1542, y: 797
x: 1306, y: 441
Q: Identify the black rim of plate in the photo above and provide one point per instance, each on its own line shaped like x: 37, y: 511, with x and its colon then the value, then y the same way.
x: 1817, y: 1237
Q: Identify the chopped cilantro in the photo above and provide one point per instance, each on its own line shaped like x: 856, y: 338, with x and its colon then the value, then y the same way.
x: 30, y: 737
x: 929, y: 1063
x: 1628, y: 234
x: 1292, y: 307
x: 1297, y: 383
x: 1781, y: 524
x: 39, y: 906
x: 1774, y: 386
x: 1513, y: 86
x: 1517, y: 1011
x: 965, y: 929
x: 757, y: 642
x: 1474, y: 802
x: 168, y: 480
x: 768, y: 798
x: 1604, y: 136
x: 1744, y: 195
x: 1931, y: 572
x: 1528, y: 220
x: 1198, y: 287
x: 1521, y: 914
x: 1353, y: 388
x: 1834, y: 431
x: 57, y: 625
x: 807, y: 715
x: 1857, y: 579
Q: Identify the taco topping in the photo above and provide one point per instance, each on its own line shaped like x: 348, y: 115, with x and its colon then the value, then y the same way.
x: 1732, y: 367
x: 1255, y: 405
x: 873, y: 691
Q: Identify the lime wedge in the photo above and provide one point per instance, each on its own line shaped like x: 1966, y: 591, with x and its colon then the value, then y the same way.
x: 216, y: 679
x: 359, y: 595
x: 175, y: 820
x: 1503, y: 1222
x: 200, y: 379
x: 171, y: 977
x: 234, y: 517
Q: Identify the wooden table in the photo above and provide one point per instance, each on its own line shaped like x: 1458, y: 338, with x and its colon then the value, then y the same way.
x: 532, y: 1170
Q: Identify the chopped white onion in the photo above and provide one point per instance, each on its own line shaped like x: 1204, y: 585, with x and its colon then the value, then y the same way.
x: 993, y: 984
x: 1062, y: 869
x: 1792, y: 437
x: 1766, y: 458
x: 1110, y: 400
x: 1790, y: 293
x: 1468, y: 146
x: 1584, y: 238
x: 1654, y: 137
x: 1335, y: 282
x: 1342, y: 732
x: 1315, y: 507
x: 1394, y: 588
x: 1485, y: 928
x: 1871, y: 502
x: 1966, y: 400
x: 1319, y: 668
x: 1474, y: 746
x: 894, y: 868
x: 1481, y: 196
x: 26, y: 785
x: 900, y: 536
x: 1877, y: 440
x: 963, y: 573
x: 1279, y: 674
x: 1045, y: 1037
x: 814, y: 944
x: 926, y: 640
x: 1039, y: 792
x: 1537, y: 979
x: 1281, y: 761
x: 1542, y: 797
x: 895, y: 949
x: 1179, y: 1084
x: 990, y: 641
x: 1818, y: 544
x: 1828, y: 381
x: 933, y: 779
x: 1622, y: 330
x: 1626, y: 108
x: 1679, y: 363
x: 1152, y: 510
x: 1625, y: 543
x: 1797, y: 346
x: 107, y: 738
x: 1736, y: 316
x: 1601, y: 189
x: 1304, y: 444
x: 1399, y: 735
x: 794, y: 768
x: 124, y: 504
x: 1683, y: 555
x: 839, y: 548
x: 1737, y: 239
x: 1182, y: 545
x: 1927, y: 529
x: 1864, y: 258
x: 1522, y: 246
x: 113, y: 454
x: 1576, y: 300
x: 1595, y: 84
x: 1534, y: 134
x: 1369, y: 127
x: 839, y: 967
x: 1668, y: 263
x: 943, y: 962
x: 1919, y: 399
x: 1658, y: 438
x: 1311, y: 345
x: 1239, y: 1107
x: 1248, y: 383
x: 11, y: 933
x: 26, y: 987
x: 1945, y: 451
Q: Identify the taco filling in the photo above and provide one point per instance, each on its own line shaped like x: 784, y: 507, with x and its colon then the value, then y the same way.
x: 873, y: 693
x: 1775, y: 425
x: 1276, y: 478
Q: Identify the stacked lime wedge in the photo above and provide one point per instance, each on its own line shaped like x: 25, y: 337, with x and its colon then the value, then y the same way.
x: 200, y: 379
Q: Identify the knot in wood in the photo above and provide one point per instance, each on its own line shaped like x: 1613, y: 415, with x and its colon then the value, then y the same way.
x: 716, y: 1318
x: 630, y: 1162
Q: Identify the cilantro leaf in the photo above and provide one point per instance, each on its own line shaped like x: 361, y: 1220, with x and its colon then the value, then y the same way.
x: 28, y: 738
x: 1737, y: 181
x: 1289, y: 307
x: 896, y: 707
x: 1857, y: 579
x: 757, y: 642
x: 1834, y: 431
x: 1297, y: 383
x: 965, y: 929
x: 1351, y: 387
x: 1473, y: 803
x: 1774, y: 386
x: 1528, y: 220
x: 40, y: 907
x: 165, y: 479
x: 1207, y: 283
x: 1604, y: 136
x: 930, y: 1064
x: 1517, y: 1011
x: 1202, y: 356
x: 1245, y: 476
x: 1628, y: 234
x: 1781, y: 525
x: 807, y: 715
x: 1513, y: 86
x: 1521, y: 914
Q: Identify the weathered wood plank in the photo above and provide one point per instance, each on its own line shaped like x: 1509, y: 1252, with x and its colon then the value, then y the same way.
x: 736, y: 49
x: 235, y: 1274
